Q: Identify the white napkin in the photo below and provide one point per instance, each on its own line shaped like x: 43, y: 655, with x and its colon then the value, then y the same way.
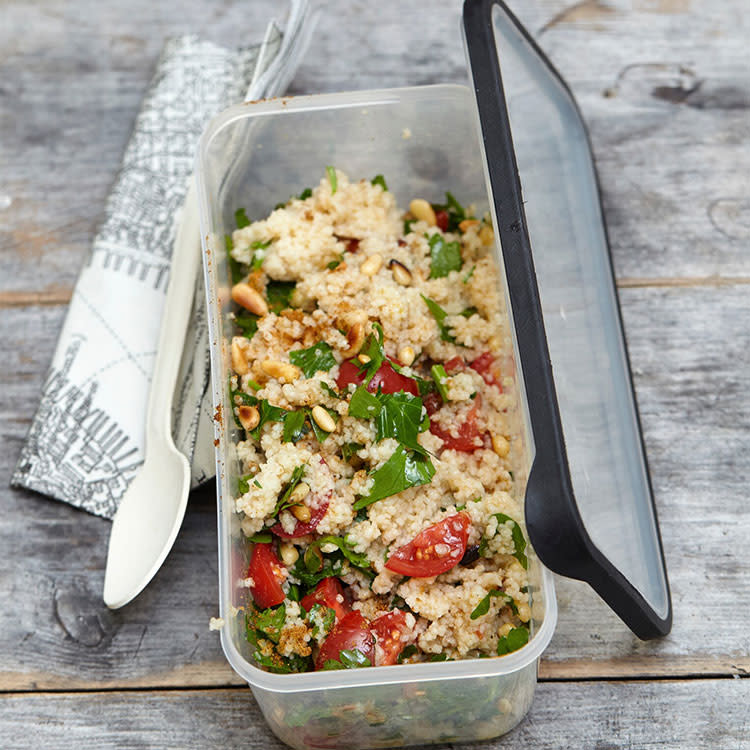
x: 86, y: 440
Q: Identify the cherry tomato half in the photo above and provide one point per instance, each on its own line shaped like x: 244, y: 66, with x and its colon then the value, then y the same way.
x: 386, y: 378
x: 468, y: 432
x: 327, y: 593
x: 434, y: 550
x: 486, y: 365
x: 390, y: 630
x: 352, y: 632
x: 441, y: 219
x: 266, y: 571
x: 316, y: 516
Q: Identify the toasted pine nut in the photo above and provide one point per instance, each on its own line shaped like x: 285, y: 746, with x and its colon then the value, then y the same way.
x: 423, y: 211
x: 500, y: 445
x: 486, y: 235
x: 301, y: 513
x: 503, y: 630
x: 355, y: 338
x: 299, y: 493
x: 283, y: 371
x: 524, y: 612
x: 248, y: 416
x: 401, y: 274
x: 239, y: 360
x: 372, y: 264
x: 323, y: 419
x: 406, y: 356
x: 249, y: 298
x: 466, y: 223
x: 364, y: 359
x: 289, y: 554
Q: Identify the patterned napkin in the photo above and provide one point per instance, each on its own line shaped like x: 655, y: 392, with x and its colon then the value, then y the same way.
x: 86, y: 440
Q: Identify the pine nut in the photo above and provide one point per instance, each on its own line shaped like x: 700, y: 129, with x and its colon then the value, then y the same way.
x: 406, y: 356
x: 283, y: 371
x: 323, y: 419
x: 248, y: 416
x: 401, y: 274
x: 239, y: 360
x: 364, y: 359
x: 372, y: 265
x: 301, y: 513
x: 486, y: 235
x: 249, y: 298
x: 299, y: 493
x: 423, y: 211
x: 355, y: 338
x: 524, y: 612
x: 466, y: 223
x: 503, y: 630
x: 289, y: 554
x: 500, y: 445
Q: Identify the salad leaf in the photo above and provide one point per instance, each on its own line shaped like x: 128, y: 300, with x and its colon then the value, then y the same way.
x: 268, y: 413
x: 294, y: 426
x: 322, y: 618
x: 408, y: 651
x: 240, y: 218
x: 247, y: 323
x: 519, y: 542
x: 407, y: 226
x: 315, y: 359
x: 514, y: 640
x: 440, y: 375
x: 456, y: 212
x: 364, y: 405
x: 439, y: 314
x: 283, y: 502
x: 400, y: 417
x: 444, y: 256
x: 484, y: 605
x: 278, y: 664
x: 349, y: 658
x: 259, y: 246
x: 332, y: 179
x: 402, y: 470
x: 234, y: 265
x: 262, y: 537
x: 305, y: 194
x: 469, y: 275
x: 439, y: 657
x: 347, y: 550
x: 269, y: 621
x: 279, y: 294
x: 311, y: 578
x: 373, y: 348
x: 379, y: 180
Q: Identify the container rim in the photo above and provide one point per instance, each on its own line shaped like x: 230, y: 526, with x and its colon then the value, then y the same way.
x: 306, y: 681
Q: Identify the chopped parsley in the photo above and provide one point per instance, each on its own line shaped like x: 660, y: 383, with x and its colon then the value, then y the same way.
x: 379, y: 180
x: 240, y: 218
x: 456, y: 212
x: 268, y: 413
x: 519, y: 542
x: 439, y: 314
x: 322, y: 619
x: 318, y: 358
x: 294, y: 426
x: 484, y: 605
x: 445, y: 256
x: 514, y: 640
x: 247, y: 323
x: 262, y: 537
x: 373, y: 348
x: 279, y: 294
x: 408, y: 651
x: 283, y: 502
x: 440, y: 376
x: 331, y: 171
x: 364, y: 405
x: 469, y: 275
x: 349, y: 658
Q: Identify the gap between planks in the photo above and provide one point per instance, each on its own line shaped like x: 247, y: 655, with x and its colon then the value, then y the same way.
x: 62, y: 296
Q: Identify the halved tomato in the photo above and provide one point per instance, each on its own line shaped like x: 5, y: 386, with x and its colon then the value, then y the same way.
x: 267, y: 575
x: 386, y: 378
x: 390, y: 630
x: 329, y: 593
x: 468, y: 432
x: 352, y: 632
x: 486, y: 365
x: 435, y: 550
x: 456, y: 364
x: 441, y: 219
x: 316, y: 515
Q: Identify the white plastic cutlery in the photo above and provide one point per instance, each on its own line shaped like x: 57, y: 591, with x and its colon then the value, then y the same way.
x: 152, y: 509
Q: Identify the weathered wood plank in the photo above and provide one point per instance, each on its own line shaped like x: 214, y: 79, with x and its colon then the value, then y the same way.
x: 690, y: 354
x: 670, y: 715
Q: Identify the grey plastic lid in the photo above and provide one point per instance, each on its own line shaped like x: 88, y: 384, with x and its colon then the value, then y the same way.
x: 589, y: 503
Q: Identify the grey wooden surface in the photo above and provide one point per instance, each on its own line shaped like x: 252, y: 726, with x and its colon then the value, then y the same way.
x: 664, y: 88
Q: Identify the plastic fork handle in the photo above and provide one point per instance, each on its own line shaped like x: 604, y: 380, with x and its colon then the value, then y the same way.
x: 174, y: 321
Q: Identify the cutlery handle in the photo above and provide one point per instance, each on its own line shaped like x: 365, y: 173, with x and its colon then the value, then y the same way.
x: 186, y: 254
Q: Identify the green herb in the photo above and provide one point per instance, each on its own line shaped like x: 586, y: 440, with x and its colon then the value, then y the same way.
x: 270, y: 621
x: 440, y: 376
x: 234, y: 265
x: 282, y: 664
x: 262, y: 537
x: 293, y: 593
x: 361, y: 515
x: 322, y: 618
x: 240, y: 218
x: 348, y: 659
x: 332, y: 179
x: 439, y: 314
x: 336, y: 263
x: 330, y: 391
x: 407, y: 225
x: 439, y: 657
x: 379, y: 180
x: 278, y: 295
x: 514, y: 640
x: 408, y: 651
x: 313, y: 559
x: 294, y: 480
x: 400, y: 417
x: 315, y: 359
x: 247, y: 323
x: 294, y: 426
x: 243, y: 484
x: 469, y: 275
x: 310, y: 578
x: 519, y: 542
x: 255, y: 386
x: 469, y: 311
x: 456, y: 212
x: 305, y: 194
x: 268, y: 413
x: 373, y: 348
x: 259, y: 246
x: 257, y: 484
x: 402, y: 470
x: 444, y: 256
x: 461, y: 507
x: 347, y: 550
x: 364, y: 405
x: 484, y: 606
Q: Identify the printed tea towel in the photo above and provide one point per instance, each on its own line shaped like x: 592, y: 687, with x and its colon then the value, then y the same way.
x: 86, y: 440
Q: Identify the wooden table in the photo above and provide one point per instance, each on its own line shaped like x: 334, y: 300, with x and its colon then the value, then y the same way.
x: 664, y: 87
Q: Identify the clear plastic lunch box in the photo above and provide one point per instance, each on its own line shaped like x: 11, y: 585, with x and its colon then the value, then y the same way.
x: 588, y: 500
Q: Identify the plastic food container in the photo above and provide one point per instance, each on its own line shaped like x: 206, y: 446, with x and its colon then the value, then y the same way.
x: 589, y: 505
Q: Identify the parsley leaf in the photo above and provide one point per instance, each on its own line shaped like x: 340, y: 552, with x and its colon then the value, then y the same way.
x: 240, y: 218
x: 484, y: 606
x: 349, y: 658
x: 259, y: 246
x: 408, y: 651
x: 440, y: 375
x: 330, y: 391
x: 379, y: 180
x: 247, y: 323
x: 357, y: 559
x: 305, y: 194
x: 268, y: 413
x: 519, y: 542
x: 439, y: 314
x: 322, y: 619
x: 315, y: 359
x: 400, y: 417
x: 294, y: 426
x: 439, y: 657
x: 514, y: 640
x: 269, y: 621
x: 332, y: 179
x: 373, y: 348
x: 364, y: 405
x: 456, y: 212
x: 407, y: 226
x: 311, y: 578
x: 234, y: 265
x: 262, y: 537
x: 278, y: 295
x: 444, y: 256
x: 469, y: 275
x: 402, y: 470
x: 283, y: 502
